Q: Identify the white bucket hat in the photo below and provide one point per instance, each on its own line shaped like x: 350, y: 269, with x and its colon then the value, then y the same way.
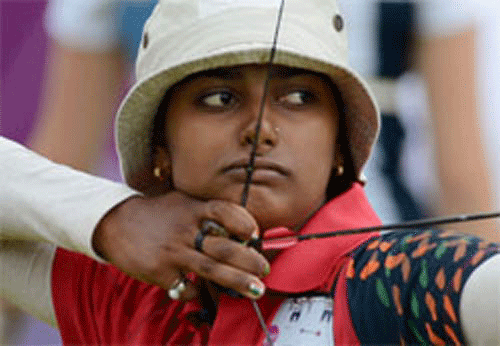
x: 183, y: 37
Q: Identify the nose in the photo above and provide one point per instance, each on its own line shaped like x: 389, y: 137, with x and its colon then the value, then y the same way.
x: 266, y: 134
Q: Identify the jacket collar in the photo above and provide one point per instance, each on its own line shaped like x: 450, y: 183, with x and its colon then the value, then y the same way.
x: 310, y: 265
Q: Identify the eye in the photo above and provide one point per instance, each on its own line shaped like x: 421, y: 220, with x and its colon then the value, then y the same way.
x: 298, y: 98
x: 218, y: 99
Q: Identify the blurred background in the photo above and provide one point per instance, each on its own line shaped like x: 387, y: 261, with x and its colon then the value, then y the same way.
x: 433, y: 66
x: 65, y: 65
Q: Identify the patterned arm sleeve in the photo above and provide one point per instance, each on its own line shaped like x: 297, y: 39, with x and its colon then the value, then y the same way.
x: 405, y: 287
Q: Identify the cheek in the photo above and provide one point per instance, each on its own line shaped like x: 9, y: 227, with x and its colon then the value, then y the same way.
x: 318, y: 151
x: 313, y: 161
x: 187, y: 153
x: 195, y: 155
x: 320, y: 163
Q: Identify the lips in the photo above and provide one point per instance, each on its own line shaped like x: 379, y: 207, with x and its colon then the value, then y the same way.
x: 261, y: 167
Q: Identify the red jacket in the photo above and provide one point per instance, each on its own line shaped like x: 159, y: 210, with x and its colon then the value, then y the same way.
x: 97, y: 304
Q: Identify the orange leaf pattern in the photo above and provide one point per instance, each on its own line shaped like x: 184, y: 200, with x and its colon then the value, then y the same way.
x: 453, y: 336
x: 396, y: 295
x: 477, y: 257
x: 351, y: 272
x: 423, y: 248
x: 441, y: 279
x: 385, y: 246
x: 434, y: 339
x: 457, y: 280
x: 448, y: 306
x: 370, y: 268
x: 431, y: 305
x: 460, y: 252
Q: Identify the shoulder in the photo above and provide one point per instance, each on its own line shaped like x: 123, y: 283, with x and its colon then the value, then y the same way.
x: 412, y: 282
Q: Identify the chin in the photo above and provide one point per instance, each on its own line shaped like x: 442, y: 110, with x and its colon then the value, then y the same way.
x: 269, y: 215
x: 294, y: 217
x: 269, y: 206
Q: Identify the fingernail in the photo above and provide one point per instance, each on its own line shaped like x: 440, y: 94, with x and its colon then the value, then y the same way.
x: 267, y: 270
x: 256, y: 289
x: 255, y: 235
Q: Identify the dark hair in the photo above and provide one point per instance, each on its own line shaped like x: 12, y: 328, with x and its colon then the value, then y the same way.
x: 342, y: 183
x: 159, y: 139
x: 336, y: 184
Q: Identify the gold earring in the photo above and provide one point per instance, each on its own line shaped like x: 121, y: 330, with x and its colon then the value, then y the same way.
x: 157, y: 173
x: 340, y: 171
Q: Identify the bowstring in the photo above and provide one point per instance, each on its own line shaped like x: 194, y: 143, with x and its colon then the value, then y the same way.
x: 253, y: 154
x: 251, y: 162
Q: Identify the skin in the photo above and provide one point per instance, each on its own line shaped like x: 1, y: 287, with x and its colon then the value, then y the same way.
x: 210, y: 128
x: 462, y: 166
x: 78, y: 103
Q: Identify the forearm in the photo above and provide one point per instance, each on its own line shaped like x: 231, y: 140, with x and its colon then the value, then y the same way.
x: 77, y: 106
x: 43, y: 201
x: 462, y: 165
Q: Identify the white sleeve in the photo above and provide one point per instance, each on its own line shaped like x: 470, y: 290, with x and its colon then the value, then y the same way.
x: 439, y: 18
x: 41, y: 201
x: 89, y: 25
x: 25, y: 272
x: 480, y: 304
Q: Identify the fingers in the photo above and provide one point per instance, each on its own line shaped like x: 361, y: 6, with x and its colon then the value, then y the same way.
x: 236, y: 255
x: 227, y: 263
x: 225, y: 275
x: 236, y: 220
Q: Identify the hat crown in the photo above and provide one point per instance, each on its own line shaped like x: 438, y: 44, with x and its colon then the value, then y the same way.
x: 172, y: 21
x: 184, y: 37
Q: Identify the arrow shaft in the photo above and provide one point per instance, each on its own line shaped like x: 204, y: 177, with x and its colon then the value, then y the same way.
x: 430, y: 222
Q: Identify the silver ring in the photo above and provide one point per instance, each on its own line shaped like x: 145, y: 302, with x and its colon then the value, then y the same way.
x: 213, y: 228
x: 177, y: 288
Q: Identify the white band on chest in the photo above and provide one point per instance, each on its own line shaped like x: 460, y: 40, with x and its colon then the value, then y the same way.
x: 304, y: 321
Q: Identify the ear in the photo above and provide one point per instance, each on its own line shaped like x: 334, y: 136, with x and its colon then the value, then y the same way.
x: 162, y: 163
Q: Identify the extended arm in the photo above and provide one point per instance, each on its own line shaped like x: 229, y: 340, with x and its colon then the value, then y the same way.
x: 43, y: 201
